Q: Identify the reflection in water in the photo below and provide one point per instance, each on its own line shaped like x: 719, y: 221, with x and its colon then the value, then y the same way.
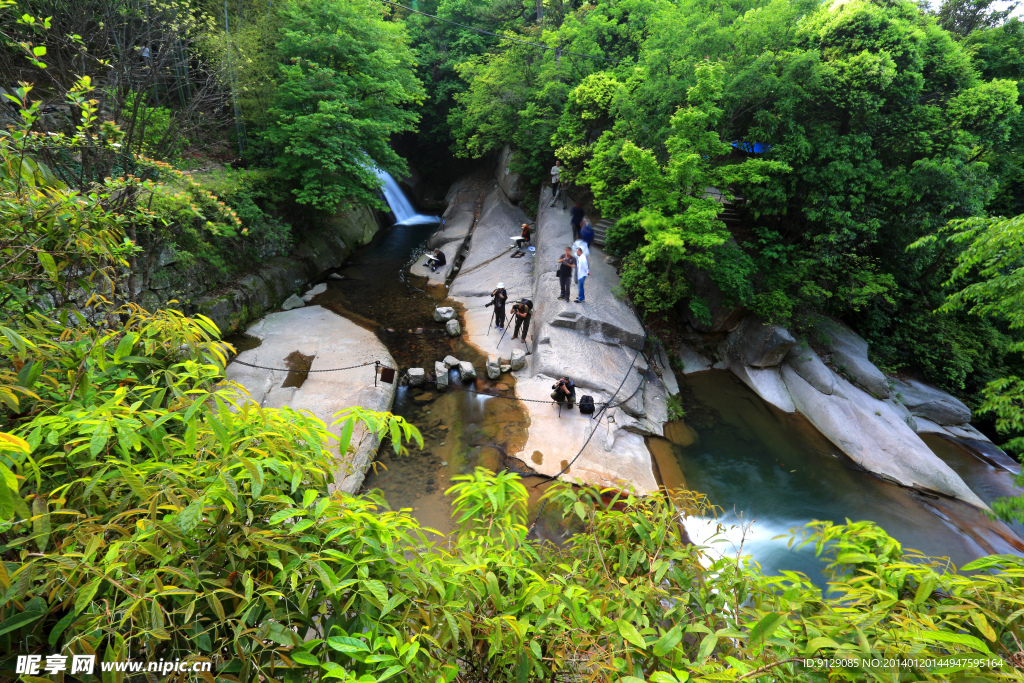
x: 774, y: 469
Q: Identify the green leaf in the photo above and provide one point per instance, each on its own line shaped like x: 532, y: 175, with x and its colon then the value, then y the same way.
x: 668, y: 641
x: 19, y: 620
x: 707, y: 646
x: 60, y: 627
x: 629, y: 632
x: 188, y: 519
x: 765, y: 627
x: 85, y: 596
x: 389, y: 672
x: 48, y: 264
x: 958, y: 638
x: 377, y: 589
x: 304, y: 658
x: 40, y: 523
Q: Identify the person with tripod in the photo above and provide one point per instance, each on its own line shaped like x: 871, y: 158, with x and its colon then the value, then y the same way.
x: 521, y: 313
x: 498, y: 298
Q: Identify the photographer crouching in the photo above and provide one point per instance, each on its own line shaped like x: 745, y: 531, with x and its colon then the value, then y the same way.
x: 564, y: 390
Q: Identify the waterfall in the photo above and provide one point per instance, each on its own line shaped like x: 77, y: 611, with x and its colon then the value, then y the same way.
x: 400, y: 205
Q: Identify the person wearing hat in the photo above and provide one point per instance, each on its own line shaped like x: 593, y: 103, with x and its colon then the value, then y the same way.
x: 524, y: 237
x: 498, y: 298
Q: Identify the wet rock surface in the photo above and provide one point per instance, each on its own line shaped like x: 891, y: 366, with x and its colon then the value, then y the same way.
x: 931, y: 403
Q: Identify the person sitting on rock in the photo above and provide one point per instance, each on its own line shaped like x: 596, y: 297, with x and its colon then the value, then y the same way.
x: 521, y: 313
x: 498, y: 298
x: 524, y: 236
x: 436, y: 260
x: 564, y: 390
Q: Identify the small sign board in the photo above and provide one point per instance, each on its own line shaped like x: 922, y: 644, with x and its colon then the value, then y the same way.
x: 387, y: 375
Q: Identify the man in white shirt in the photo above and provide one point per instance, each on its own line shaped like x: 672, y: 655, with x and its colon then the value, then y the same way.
x: 556, y: 181
x: 582, y: 272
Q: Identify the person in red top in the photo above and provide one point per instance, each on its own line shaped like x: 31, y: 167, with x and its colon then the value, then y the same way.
x: 524, y: 237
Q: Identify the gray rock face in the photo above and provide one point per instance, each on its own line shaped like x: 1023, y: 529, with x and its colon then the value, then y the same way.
x: 294, y: 301
x: 518, y: 360
x: 692, y: 361
x: 488, y: 261
x: 875, y: 436
x: 511, y: 183
x: 451, y: 361
x: 466, y: 370
x: 315, y: 292
x: 766, y: 383
x: 850, y: 356
x: 805, y: 362
x: 453, y: 328
x: 444, y: 314
x: 441, y: 372
x: 493, y: 367
x: 333, y: 341
x: 923, y: 400
x: 417, y: 377
x: 759, y: 345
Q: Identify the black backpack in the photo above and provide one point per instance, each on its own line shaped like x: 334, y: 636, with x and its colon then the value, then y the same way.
x: 587, y: 404
x: 528, y: 302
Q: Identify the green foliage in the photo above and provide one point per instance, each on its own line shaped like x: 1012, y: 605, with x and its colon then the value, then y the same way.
x: 156, y: 133
x: 678, y: 208
x: 344, y: 89
x: 675, y: 408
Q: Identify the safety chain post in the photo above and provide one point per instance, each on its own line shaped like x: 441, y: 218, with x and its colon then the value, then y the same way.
x: 376, y: 371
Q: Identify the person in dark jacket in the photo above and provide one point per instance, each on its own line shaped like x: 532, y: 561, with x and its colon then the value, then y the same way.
x: 436, y: 260
x: 524, y: 236
x: 565, y: 266
x: 521, y: 313
x: 587, y: 233
x: 498, y: 298
x: 564, y: 390
x: 576, y: 214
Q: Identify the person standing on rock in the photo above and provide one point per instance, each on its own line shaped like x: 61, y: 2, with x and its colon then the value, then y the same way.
x: 565, y: 266
x: 582, y: 272
x: 521, y: 313
x: 498, y: 298
x: 576, y: 214
x: 556, y: 183
x: 587, y: 232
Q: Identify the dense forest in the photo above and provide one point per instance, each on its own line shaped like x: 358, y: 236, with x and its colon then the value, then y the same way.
x: 874, y: 150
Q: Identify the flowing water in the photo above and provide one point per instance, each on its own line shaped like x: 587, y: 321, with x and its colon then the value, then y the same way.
x: 400, y: 205
x: 757, y: 464
x: 771, y: 472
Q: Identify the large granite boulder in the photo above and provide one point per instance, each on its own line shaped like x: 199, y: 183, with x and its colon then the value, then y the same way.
x: 444, y: 313
x: 759, y: 345
x: 923, y: 400
x: 875, y: 436
x: 511, y: 183
x: 518, y: 359
x: 441, y: 375
x: 488, y: 261
x: 294, y: 301
x: 417, y: 377
x: 493, y: 366
x: 766, y: 383
x: 333, y: 342
x: 849, y: 354
x: 806, y: 363
x: 691, y: 360
x: 453, y: 328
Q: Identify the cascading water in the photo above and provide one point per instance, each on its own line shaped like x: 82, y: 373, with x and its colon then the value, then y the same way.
x: 400, y: 205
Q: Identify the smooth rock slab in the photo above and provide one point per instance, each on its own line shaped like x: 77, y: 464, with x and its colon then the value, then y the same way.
x: 444, y: 314
x: 692, y: 361
x: 766, y: 383
x: 417, y: 377
x: 292, y: 302
x: 313, y: 293
x: 334, y: 342
x: 453, y: 328
x: 441, y: 373
x: 807, y: 364
x: 850, y: 356
x: 466, y: 370
x: 931, y: 403
x: 876, y: 437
